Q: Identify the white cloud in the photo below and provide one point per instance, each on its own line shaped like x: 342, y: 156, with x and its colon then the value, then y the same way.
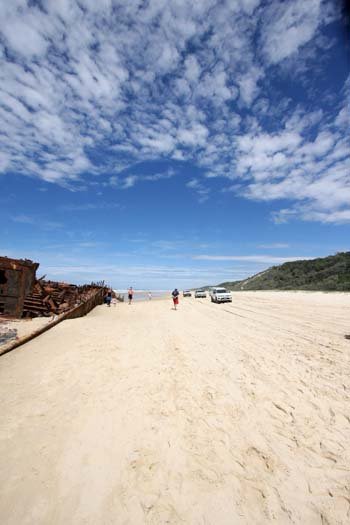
x: 128, y: 181
x: 192, y: 69
x: 343, y: 118
x: 314, y: 173
x: 195, y: 136
x: 123, y: 183
x: 37, y: 222
x: 308, y: 213
x: 168, y: 174
x: 4, y: 161
x: 24, y: 219
x: 288, y: 26
x: 201, y: 190
x: 335, y: 217
x: 157, y: 144
x: 23, y: 37
x: 90, y: 206
x: 248, y: 84
x: 93, y: 88
x: 266, y: 259
x: 276, y: 245
x: 76, y: 66
x: 165, y: 277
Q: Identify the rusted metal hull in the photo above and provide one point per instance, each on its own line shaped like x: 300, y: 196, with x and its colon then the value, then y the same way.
x: 17, y: 278
x: 22, y: 295
x: 50, y: 298
x: 82, y: 309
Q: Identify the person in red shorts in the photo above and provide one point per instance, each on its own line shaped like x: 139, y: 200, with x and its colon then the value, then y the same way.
x: 175, y: 295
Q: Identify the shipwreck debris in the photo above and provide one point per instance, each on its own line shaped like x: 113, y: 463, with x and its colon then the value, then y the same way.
x: 49, y: 298
x: 24, y: 296
x: 17, y: 277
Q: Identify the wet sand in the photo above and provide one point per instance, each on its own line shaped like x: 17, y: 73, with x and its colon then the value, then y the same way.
x: 214, y: 414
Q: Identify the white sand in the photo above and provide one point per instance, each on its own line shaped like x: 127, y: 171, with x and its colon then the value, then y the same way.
x: 211, y: 415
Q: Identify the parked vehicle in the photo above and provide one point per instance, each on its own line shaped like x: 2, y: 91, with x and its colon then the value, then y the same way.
x: 200, y: 293
x: 187, y: 293
x: 220, y: 295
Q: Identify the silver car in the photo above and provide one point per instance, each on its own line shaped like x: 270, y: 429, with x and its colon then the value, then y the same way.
x: 220, y: 295
x: 200, y: 294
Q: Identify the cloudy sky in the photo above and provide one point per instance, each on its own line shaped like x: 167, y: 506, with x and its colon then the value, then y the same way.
x: 170, y: 142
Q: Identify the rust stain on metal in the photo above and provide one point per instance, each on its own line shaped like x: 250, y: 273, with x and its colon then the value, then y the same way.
x: 17, y: 278
x: 22, y: 295
x: 54, y: 298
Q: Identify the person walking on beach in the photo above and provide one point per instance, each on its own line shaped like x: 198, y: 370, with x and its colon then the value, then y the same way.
x: 130, y: 294
x: 149, y: 296
x: 109, y: 298
x: 175, y: 294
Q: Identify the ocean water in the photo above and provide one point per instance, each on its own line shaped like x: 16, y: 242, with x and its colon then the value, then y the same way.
x: 142, y: 295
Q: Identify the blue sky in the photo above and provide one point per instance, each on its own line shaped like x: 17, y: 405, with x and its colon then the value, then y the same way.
x: 160, y: 144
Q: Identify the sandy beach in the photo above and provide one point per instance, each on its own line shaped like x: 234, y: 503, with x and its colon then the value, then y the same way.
x: 211, y: 415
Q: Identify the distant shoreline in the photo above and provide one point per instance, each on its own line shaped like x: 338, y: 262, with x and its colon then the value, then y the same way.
x: 142, y: 295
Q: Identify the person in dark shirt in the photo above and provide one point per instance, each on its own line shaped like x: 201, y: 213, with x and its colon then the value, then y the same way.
x: 175, y: 294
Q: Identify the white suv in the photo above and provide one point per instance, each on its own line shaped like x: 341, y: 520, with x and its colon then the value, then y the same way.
x: 220, y: 295
x: 200, y: 293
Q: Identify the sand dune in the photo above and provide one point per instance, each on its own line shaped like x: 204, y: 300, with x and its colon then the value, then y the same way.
x: 211, y: 415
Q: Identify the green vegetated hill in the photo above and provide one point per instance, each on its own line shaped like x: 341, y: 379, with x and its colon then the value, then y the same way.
x: 327, y: 273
